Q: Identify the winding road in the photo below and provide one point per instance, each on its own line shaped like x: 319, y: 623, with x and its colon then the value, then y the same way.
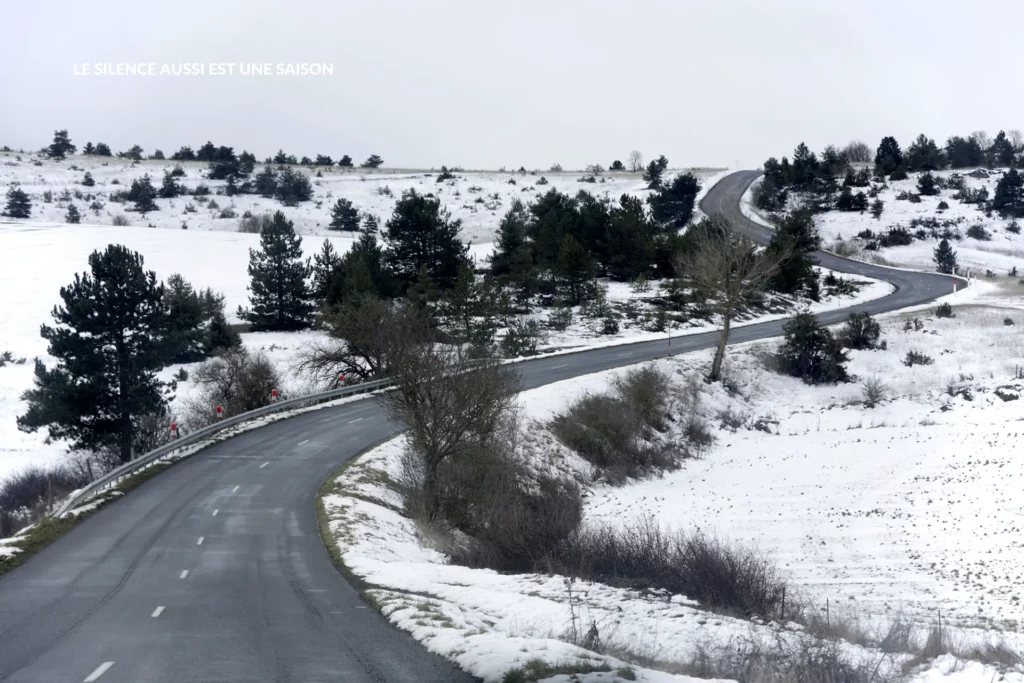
x: 215, y: 570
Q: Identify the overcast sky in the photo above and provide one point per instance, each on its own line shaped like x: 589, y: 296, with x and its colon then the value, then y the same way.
x: 483, y: 84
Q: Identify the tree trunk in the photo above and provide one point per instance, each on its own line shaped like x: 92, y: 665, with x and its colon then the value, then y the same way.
x: 723, y: 339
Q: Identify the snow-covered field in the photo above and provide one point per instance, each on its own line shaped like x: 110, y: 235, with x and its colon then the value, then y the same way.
x: 37, y: 259
x: 477, y: 198
x: 1004, y: 251
x: 903, y: 509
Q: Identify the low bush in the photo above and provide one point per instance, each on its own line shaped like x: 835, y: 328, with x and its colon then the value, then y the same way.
x: 120, y: 220
x: 642, y: 554
x: 874, y: 391
x: 978, y: 232
x: 623, y: 433
x: 944, y: 310
x: 860, y: 332
x: 28, y: 493
x: 917, y: 358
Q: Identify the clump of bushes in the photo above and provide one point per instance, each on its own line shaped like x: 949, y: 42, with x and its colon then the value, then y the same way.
x: 811, y: 353
x: 944, y: 310
x: 861, y: 332
x: 624, y: 433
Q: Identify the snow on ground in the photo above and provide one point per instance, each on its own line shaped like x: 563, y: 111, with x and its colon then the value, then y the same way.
x: 37, y: 259
x: 1004, y: 251
x: 477, y: 198
x: 903, y: 509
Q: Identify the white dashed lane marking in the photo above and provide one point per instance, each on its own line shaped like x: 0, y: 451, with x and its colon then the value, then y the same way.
x: 100, y: 670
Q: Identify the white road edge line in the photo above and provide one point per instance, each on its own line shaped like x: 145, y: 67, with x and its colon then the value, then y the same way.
x: 184, y: 574
x: 200, y: 541
x: 157, y: 612
x: 100, y: 670
x: 555, y: 367
x: 302, y: 442
x: 355, y: 420
x: 215, y: 512
x: 264, y: 464
x: 235, y: 490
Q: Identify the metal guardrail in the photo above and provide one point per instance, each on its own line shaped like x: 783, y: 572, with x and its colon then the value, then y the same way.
x: 113, y: 477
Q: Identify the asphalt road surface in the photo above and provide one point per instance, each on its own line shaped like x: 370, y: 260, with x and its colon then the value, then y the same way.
x: 215, y: 570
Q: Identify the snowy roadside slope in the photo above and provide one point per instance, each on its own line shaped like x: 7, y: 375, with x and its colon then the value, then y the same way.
x: 477, y: 198
x: 1004, y: 251
x: 897, y: 510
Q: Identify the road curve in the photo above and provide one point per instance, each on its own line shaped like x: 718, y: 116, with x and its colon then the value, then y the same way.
x: 215, y: 571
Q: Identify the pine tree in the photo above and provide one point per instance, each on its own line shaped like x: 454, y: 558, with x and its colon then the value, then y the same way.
x: 422, y: 292
x: 142, y: 193
x: 373, y: 161
x: 72, y: 216
x: 421, y: 234
x: 629, y: 240
x: 134, y: 153
x: 945, y: 258
x: 344, y: 216
x: 796, y: 238
x: 924, y: 155
x: 293, y: 187
x: 805, y: 166
x: 184, y: 335
x: 87, y: 180
x: 888, y: 157
x: 279, y: 295
x: 88, y: 150
x: 61, y: 146
x: 672, y: 205
x: 877, y: 207
x: 106, y: 342
x: 1001, y: 152
x: 184, y: 154
x: 169, y: 188
x: 207, y: 152
x: 1008, y: 199
x: 346, y: 161
x: 220, y: 335
x: 18, y: 203
x: 926, y: 184
x: 365, y: 270
x: 102, y: 149
x: 652, y: 174
x: 811, y: 353
x: 370, y: 223
x: 328, y: 276
x: 266, y: 182
x: 512, y: 259
x: 574, y: 270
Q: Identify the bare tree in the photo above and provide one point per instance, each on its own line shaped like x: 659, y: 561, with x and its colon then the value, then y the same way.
x: 729, y: 266
x: 451, y: 405
x: 1016, y: 139
x: 857, y: 151
x: 356, y: 346
x: 983, y: 139
x: 636, y: 161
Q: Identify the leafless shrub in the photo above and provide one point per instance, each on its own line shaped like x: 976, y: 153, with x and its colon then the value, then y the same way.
x: 642, y: 554
x: 361, y: 331
x: 254, y: 224
x: 120, y: 220
x: 237, y: 381
x: 781, y: 661
x: 620, y: 433
x: 26, y: 494
x: 874, y: 391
